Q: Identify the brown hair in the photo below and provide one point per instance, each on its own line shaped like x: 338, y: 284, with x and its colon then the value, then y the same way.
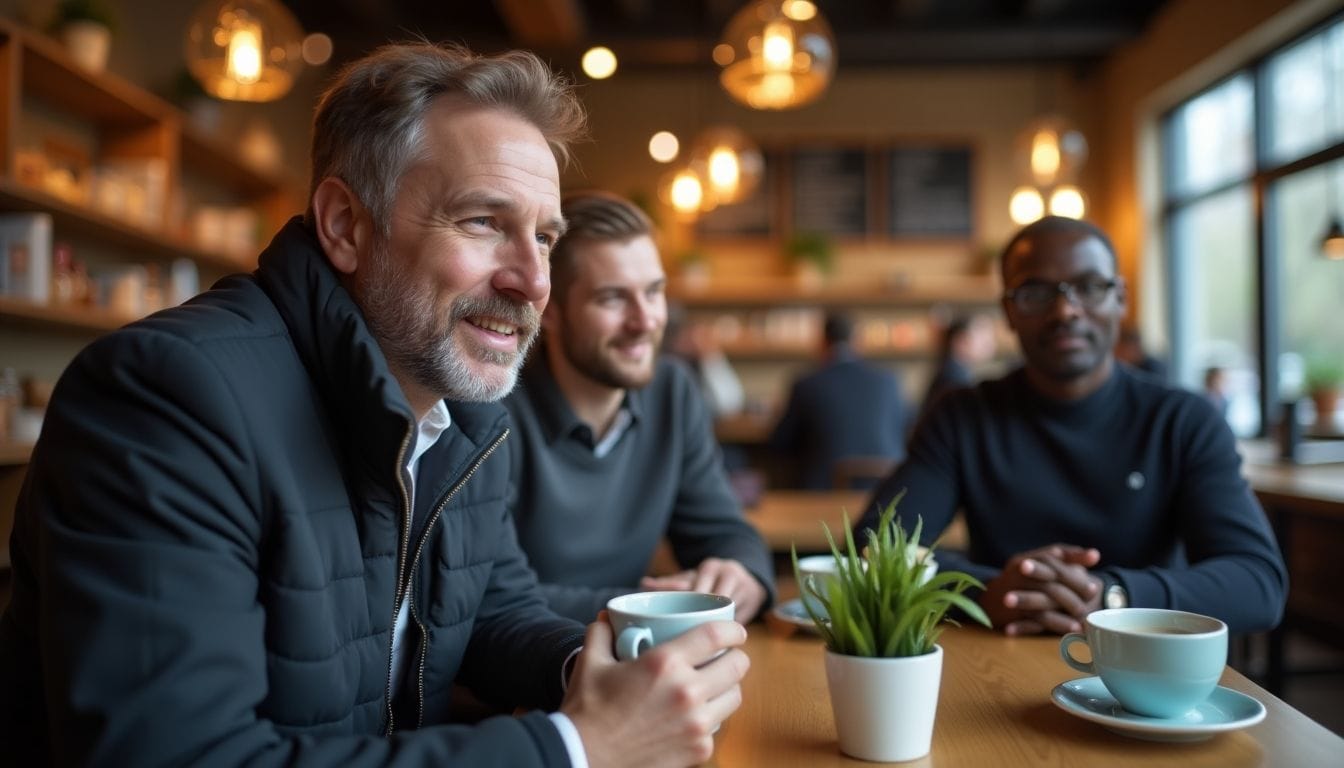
x: 369, y: 122
x: 593, y: 216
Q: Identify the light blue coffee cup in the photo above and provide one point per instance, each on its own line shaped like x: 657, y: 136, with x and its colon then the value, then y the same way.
x: 645, y: 619
x: 1155, y: 662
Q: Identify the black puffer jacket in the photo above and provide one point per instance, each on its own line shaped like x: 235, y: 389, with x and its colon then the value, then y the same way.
x: 208, y: 542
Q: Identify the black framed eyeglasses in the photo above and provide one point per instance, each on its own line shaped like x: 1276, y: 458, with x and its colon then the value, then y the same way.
x: 1034, y: 296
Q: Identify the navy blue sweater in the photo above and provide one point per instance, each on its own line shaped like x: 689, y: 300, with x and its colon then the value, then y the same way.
x: 1147, y: 474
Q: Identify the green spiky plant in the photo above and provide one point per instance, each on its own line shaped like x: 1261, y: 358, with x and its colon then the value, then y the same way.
x: 880, y: 604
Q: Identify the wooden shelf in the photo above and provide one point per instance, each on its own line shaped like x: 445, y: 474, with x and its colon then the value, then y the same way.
x: 777, y: 292
x: 211, y: 157
x: 14, y: 454
x: 742, y: 352
x: 72, y: 218
x: 68, y: 318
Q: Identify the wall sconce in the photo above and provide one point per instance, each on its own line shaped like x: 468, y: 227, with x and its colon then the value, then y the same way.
x: 733, y: 163
x: 776, y: 54
x: 244, y: 50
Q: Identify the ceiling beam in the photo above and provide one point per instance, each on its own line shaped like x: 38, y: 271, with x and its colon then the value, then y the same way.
x: 543, y: 24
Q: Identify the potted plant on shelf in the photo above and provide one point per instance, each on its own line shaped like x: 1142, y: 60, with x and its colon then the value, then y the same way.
x: 85, y: 27
x: 1325, y: 378
x: 812, y: 255
x: 880, y: 614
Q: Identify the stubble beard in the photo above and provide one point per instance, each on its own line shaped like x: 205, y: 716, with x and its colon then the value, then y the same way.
x: 405, y: 321
x: 591, y: 362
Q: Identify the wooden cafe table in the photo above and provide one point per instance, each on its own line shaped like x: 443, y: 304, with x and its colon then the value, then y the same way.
x: 994, y: 709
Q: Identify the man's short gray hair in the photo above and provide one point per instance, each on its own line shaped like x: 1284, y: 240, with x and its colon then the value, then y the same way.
x: 370, y: 121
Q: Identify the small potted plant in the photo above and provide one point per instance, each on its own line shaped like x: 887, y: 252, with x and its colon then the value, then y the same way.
x: 1325, y: 378
x: 812, y: 255
x: 881, y: 615
x: 85, y: 27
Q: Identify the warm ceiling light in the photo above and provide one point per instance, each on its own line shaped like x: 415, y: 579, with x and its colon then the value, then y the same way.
x: 781, y: 54
x: 685, y: 190
x: 1332, y: 245
x: 663, y: 146
x: 1053, y: 150
x: 1067, y: 201
x: 732, y: 163
x: 1026, y: 206
x: 244, y: 50
x: 599, y: 63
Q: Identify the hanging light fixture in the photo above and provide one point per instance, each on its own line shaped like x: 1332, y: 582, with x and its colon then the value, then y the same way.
x: 244, y: 50
x: 1332, y: 245
x: 776, y: 54
x: 1050, y: 152
x: 732, y: 162
x: 687, y: 190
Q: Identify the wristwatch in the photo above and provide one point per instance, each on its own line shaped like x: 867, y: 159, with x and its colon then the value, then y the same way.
x: 1115, y: 595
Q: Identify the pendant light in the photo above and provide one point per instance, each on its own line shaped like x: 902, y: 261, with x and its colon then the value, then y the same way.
x: 1332, y: 245
x: 776, y: 54
x: 732, y: 163
x: 244, y: 50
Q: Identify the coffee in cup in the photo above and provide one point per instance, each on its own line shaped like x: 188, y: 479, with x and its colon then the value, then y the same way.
x: 1155, y: 662
x: 645, y: 619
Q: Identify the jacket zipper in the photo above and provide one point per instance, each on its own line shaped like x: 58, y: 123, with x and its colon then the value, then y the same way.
x: 401, y: 563
x: 402, y: 587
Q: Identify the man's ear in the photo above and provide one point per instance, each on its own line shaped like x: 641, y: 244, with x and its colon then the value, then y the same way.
x: 343, y: 228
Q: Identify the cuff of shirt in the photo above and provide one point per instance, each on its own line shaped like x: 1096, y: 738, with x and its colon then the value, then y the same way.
x: 567, y: 668
x: 570, y: 735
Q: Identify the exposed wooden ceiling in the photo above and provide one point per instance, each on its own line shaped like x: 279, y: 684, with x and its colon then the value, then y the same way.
x: 678, y: 34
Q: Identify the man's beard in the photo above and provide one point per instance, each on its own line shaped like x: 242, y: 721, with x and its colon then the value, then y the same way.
x: 404, y: 320
x: 590, y: 361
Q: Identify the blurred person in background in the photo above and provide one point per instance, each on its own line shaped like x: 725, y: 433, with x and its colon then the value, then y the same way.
x: 846, y: 408
x: 967, y: 342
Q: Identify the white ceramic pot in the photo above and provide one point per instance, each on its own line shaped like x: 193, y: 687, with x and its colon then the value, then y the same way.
x: 88, y: 43
x: 884, y: 708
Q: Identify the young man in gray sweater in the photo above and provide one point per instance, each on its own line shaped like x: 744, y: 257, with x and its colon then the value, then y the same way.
x: 615, y: 448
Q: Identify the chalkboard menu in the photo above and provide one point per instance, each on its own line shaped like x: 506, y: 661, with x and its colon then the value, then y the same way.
x: 747, y: 218
x: 929, y: 191
x: 828, y: 192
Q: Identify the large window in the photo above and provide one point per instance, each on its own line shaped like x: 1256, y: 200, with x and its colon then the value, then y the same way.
x: 1253, y: 295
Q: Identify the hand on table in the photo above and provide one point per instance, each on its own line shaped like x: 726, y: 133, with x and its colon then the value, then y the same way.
x: 660, y: 709
x: 720, y: 577
x: 1044, y: 590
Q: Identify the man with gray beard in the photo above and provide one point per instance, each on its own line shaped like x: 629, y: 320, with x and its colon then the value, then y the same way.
x: 269, y: 527
x: 615, y: 441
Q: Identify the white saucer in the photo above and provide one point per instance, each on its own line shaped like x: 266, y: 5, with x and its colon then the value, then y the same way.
x: 792, y: 612
x: 1224, y: 710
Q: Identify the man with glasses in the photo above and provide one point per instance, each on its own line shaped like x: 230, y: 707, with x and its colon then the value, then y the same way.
x: 1084, y: 485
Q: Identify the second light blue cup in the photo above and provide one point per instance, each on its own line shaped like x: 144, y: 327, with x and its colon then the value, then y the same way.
x: 1155, y: 662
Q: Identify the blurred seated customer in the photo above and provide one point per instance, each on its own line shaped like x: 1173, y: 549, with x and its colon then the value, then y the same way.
x: 1085, y: 485
x: 848, y: 407
x: 693, y: 342
x: 268, y: 527
x: 614, y: 448
x: 967, y: 342
x: 1215, y: 388
x: 1129, y: 349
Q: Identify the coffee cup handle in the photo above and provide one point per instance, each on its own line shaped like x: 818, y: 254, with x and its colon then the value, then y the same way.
x: 1068, y: 640
x: 631, y: 641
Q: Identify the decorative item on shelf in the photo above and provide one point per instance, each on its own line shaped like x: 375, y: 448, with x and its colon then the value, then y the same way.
x: 260, y: 147
x: 245, y: 50
x: 693, y: 269
x: 776, y: 54
x: 733, y: 163
x: 85, y: 28
x: 26, y: 256
x: 203, y: 110
x: 1325, y: 379
x: 813, y: 257
x: 881, y: 614
x: 1051, y: 150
